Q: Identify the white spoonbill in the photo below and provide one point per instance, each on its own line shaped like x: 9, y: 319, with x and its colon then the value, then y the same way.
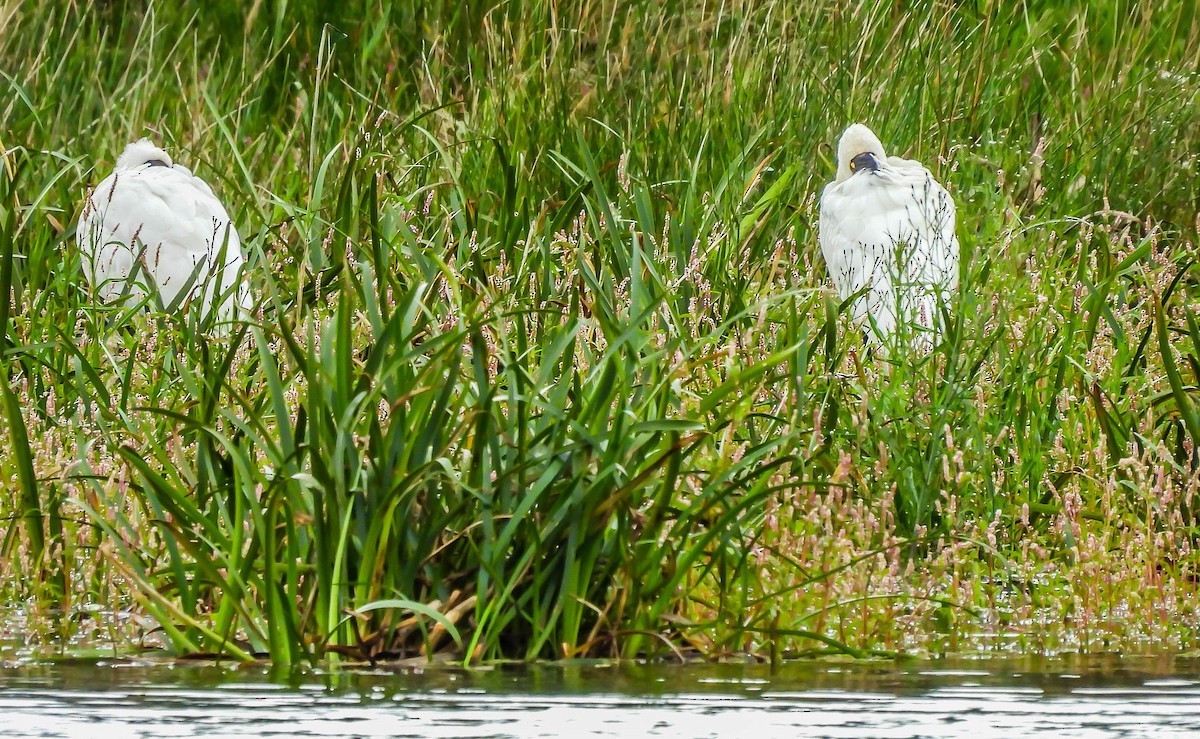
x: 887, y: 229
x: 152, y: 223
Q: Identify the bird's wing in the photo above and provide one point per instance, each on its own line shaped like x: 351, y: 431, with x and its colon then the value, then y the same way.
x: 859, y: 256
x: 925, y: 220
x: 104, y: 244
x: 929, y: 214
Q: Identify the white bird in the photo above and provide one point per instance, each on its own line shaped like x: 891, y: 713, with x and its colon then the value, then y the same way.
x: 153, y: 223
x: 887, y: 229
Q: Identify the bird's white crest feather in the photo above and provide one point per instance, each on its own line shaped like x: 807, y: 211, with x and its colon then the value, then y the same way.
x: 141, y: 152
x: 858, y: 139
x: 153, y: 226
x: 889, y: 233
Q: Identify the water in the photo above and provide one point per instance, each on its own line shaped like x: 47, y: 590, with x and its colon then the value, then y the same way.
x: 994, y: 698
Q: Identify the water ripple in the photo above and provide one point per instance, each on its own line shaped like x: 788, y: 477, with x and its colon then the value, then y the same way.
x: 709, y: 701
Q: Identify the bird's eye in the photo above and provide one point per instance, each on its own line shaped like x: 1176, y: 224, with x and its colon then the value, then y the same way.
x: 853, y: 166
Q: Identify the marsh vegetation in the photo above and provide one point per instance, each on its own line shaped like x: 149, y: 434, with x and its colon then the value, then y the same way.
x: 544, y: 360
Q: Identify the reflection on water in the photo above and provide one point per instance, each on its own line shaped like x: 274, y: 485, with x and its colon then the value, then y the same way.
x: 1084, y: 697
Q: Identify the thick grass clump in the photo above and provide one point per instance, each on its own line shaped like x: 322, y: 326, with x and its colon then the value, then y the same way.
x: 543, y: 361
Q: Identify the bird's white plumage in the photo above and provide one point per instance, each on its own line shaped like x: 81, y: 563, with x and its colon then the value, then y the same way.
x: 153, y: 223
x: 887, y: 228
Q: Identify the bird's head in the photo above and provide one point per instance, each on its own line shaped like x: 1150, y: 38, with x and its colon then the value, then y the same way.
x: 859, y: 149
x: 141, y: 153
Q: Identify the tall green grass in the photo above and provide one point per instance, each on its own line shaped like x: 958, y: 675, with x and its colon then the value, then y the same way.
x: 543, y: 363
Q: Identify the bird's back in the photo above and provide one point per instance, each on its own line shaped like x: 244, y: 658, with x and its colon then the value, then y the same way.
x: 891, y: 230
x: 163, y: 225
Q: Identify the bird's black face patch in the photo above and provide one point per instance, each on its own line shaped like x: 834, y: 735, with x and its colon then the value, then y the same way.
x: 866, y: 160
x: 157, y: 163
